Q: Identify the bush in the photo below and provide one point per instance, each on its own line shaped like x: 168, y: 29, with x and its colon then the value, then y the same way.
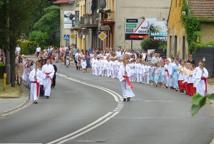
x: 27, y: 47
x: 39, y: 37
x: 149, y: 43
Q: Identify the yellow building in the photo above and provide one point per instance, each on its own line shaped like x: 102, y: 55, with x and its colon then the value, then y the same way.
x: 95, y: 16
x: 81, y: 39
x: 176, y: 43
x: 108, y: 24
x: 202, y: 10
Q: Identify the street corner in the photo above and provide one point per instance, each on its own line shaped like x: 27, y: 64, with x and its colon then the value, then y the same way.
x: 9, y: 106
x: 212, y: 142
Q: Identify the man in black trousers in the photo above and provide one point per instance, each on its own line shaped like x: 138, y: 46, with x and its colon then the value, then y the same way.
x: 54, y: 77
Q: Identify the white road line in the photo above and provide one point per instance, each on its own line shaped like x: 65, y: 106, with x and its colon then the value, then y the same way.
x: 14, y: 110
x: 96, y: 123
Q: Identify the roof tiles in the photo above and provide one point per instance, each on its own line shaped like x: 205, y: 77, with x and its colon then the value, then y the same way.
x: 202, y: 8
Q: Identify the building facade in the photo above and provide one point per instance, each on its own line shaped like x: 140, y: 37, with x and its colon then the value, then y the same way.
x: 202, y: 10
x: 176, y: 43
x: 67, y: 9
x: 136, y: 9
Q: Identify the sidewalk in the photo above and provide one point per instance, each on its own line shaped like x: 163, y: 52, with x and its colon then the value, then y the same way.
x: 9, y: 104
x: 210, y: 89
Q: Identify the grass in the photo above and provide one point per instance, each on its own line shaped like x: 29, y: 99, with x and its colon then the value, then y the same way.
x: 9, y: 92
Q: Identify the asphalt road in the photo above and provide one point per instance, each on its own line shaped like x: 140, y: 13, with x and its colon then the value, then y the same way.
x: 154, y: 116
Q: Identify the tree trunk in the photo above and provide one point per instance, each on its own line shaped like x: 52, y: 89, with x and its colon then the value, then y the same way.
x: 12, y: 64
x: 8, y: 42
x: 8, y: 66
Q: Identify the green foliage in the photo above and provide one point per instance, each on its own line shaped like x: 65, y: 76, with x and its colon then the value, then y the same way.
x: 199, y: 101
x: 27, y: 47
x: 210, y: 44
x: 1, y: 3
x: 210, y: 96
x: 149, y: 43
x: 46, y: 29
x: 192, y: 27
x: 16, y: 19
x: 203, y: 45
x: 2, y: 64
x: 39, y: 37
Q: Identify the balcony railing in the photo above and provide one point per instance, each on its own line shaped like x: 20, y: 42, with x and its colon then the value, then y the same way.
x: 89, y: 20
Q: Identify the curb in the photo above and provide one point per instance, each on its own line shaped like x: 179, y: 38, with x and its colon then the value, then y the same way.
x: 16, y: 108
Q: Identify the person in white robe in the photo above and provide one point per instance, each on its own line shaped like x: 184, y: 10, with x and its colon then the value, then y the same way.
x: 48, y: 71
x: 201, y: 76
x: 124, y: 75
x: 35, y: 78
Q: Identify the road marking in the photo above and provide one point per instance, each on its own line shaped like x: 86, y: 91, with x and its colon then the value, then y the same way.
x: 16, y: 109
x: 102, y: 120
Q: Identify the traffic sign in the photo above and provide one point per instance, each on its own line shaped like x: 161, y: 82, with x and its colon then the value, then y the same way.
x: 102, y: 36
x: 73, y: 36
x: 66, y: 37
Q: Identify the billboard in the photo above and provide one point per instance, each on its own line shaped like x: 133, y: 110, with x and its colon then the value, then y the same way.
x: 138, y: 29
x: 68, y: 21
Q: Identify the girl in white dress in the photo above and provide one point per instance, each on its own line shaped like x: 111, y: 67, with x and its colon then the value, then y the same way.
x: 124, y: 75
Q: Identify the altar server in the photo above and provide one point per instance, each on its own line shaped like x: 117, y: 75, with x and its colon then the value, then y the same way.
x: 124, y: 75
x: 48, y: 71
x: 35, y: 78
x: 201, y: 76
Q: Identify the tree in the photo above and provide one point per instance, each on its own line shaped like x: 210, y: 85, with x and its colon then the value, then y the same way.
x: 17, y: 17
x: 149, y: 43
x: 46, y: 29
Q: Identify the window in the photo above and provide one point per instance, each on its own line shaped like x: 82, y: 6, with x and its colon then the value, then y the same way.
x: 170, y: 45
x: 184, y: 47
x: 175, y: 45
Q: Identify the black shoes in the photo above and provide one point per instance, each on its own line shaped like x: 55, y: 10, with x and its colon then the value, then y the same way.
x: 126, y: 99
x: 35, y: 102
x: 47, y: 97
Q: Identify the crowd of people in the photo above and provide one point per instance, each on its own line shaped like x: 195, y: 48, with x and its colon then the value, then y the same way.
x: 128, y: 66
x: 37, y: 74
x: 180, y: 75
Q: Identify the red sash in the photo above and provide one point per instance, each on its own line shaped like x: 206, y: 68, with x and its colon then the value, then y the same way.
x: 206, y: 82
x: 128, y: 82
x: 47, y: 75
x: 37, y: 87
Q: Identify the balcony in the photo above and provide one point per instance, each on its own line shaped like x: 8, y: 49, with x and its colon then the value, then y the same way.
x: 88, y: 21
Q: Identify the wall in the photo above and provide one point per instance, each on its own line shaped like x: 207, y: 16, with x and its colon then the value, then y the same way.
x: 64, y: 31
x: 176, y: 28
x: 136, y: 9
x: 207, y: 32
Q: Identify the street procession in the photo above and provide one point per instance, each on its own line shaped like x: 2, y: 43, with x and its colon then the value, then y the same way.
x: 128, y: 67
x: 106, y: 71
